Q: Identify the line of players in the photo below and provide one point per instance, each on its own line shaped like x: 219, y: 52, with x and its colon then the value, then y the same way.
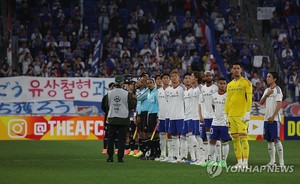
x: 191, y: 120
x: 189, y: 114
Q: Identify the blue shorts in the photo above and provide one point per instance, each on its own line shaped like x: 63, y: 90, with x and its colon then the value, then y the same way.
x: 190, y: 126
x: 206, y: 124
x: 271, y: 131
x: 196, y: 129
x: 219, y: 133
x: 187, y: 127
x: 161, y: 125
x: 167, y: 124
x: 175, y: 126
x: 202, y: 131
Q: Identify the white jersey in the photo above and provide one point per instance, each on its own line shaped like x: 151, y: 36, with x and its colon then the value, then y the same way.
x: 162, y: 103
x: 271, y: 103
x: 167, y: 93
x: 196, y: 102
x: 175, y: 103
x: 206, y: 100
x: 188, y: 103
x: 219, y: 102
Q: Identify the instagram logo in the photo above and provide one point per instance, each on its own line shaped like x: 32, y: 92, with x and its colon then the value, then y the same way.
x: 17, y: 128
x: 40, y: 128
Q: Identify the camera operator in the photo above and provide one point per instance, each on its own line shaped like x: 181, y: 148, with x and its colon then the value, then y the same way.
x: 119, y: 103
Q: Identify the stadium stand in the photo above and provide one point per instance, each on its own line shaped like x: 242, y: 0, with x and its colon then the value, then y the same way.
x: 49, y: 37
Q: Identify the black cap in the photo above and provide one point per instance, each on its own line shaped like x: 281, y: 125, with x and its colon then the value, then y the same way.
x: 119, y: 79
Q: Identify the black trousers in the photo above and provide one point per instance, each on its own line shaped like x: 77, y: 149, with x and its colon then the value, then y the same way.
x: 116, y: 131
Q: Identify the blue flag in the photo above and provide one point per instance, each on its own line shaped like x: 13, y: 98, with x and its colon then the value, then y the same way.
x: 97, y: 55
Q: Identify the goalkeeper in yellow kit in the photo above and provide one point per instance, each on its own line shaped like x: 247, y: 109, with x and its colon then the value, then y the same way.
x: 237, y: 110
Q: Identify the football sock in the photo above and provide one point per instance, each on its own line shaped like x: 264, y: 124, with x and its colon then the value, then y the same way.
x: 245, y: 148
x: 205, y: 149
x: 191, y: 145
x: 141, y: 143
x: 225, y: 151
x: 237, y: 147
x: 211, y: 151
x: 218, y: 150
x: 162, y: 142
x: 183, y: 147
x: 271, y: 149
x: 170, y: 148
x: 208, y: 136
x: 279, y: 149
x: 175, y: 141
x: 200, y: 150
x: 132, y: 143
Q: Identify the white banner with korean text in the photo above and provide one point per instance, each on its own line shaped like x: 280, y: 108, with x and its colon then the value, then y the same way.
x: 33, y: 89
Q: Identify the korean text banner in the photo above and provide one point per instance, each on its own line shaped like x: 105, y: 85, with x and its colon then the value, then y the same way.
x: 32, y: 89
x: 51, y: 127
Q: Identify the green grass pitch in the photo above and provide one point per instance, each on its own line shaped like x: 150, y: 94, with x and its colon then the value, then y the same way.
x: 70, y: 162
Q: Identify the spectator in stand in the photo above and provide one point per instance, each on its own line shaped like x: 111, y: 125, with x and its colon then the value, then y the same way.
x: 143, y: 26
x: 198, y: 30
x: 25, y: 59
x: 245, y: 55
x: 292, y: 85
x: 172, y: 25
x: 175, y: 60
x: 186, y: 62
x: 219, y: 23
x: 145, y: 49
x: 287, y: 51
x: 225, y: 38
x: 255, y: 79
x: 5, y: 70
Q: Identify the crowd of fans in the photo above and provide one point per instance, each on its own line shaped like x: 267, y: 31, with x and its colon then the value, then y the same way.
x: 284, y: 31
x: 143, y: 36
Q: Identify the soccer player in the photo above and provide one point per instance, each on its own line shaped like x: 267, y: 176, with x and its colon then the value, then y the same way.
x: 272, y: 97
x: 237, y: 109
x: 194, y: 137
x: 176, y: 113
x: 219, y: 130
x: 188, y: 119
x: 162, y: 111
x: 207, y: 113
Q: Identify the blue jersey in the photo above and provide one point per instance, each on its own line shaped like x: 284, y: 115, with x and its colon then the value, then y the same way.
x: 143, y: 99
x: 152, y: 101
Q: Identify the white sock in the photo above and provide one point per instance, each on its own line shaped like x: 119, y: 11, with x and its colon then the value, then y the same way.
x: 218, y: 150
x: 162, y: 143
x: 211, y: 151
x: 195, y: 147
x: 201, y: 151
x: 175, y: 141
x: 208, y: 136
x: 225, y: 151
x: 205, y: 150
x: 279, y: 149
x: 271, y: 149
x: 183, y: 147
x: 170, y: 148
x: 190, y: 146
